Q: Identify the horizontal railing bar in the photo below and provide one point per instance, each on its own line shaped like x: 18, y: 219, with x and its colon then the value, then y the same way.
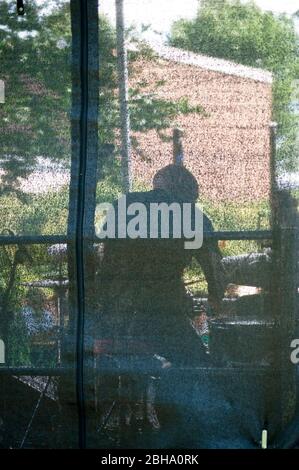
x: 63, y: 239
x: 241, y: 235
x: 62, y: 371
x: 230, y: 235
x: 33, y: 240
x: 36, y: 371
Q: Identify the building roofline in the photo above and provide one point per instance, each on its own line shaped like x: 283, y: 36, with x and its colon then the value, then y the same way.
x: 211, y: 63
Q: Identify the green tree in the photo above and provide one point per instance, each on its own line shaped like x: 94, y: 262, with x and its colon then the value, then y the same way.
x: 35, y: 58
x: 242, y: 32
x: 34, y: 118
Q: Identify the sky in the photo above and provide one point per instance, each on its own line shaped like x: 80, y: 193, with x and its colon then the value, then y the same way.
x: 161, y: 13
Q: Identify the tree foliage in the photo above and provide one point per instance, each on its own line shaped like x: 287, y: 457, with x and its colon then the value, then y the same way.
x: 35, y: 57
x: 242, y: 32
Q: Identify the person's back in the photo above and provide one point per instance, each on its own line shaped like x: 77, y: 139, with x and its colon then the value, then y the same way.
x: 141, y: 279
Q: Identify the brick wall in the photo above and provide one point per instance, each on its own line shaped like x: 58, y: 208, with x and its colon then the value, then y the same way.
x: 228, y: 151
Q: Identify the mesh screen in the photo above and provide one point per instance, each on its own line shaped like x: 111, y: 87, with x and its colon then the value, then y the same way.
x: 114, y: 332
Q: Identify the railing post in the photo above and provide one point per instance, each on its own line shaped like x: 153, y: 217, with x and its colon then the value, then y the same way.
x: 178, y: 152
x: 285, y: 287
x: 273, y: 175
x: 122, y: 64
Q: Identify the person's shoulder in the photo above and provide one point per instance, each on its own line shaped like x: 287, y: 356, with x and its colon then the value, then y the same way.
x: 144, y: 197
x: 134, y: 196
x: 207, y: 224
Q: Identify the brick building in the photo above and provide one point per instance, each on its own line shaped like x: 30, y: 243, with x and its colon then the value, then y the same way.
x: 228, y: 147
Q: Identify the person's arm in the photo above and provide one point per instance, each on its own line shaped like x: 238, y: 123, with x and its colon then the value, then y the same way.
x: 209, y: 257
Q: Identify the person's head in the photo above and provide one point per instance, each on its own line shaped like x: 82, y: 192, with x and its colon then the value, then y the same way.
x: 178, y: 182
